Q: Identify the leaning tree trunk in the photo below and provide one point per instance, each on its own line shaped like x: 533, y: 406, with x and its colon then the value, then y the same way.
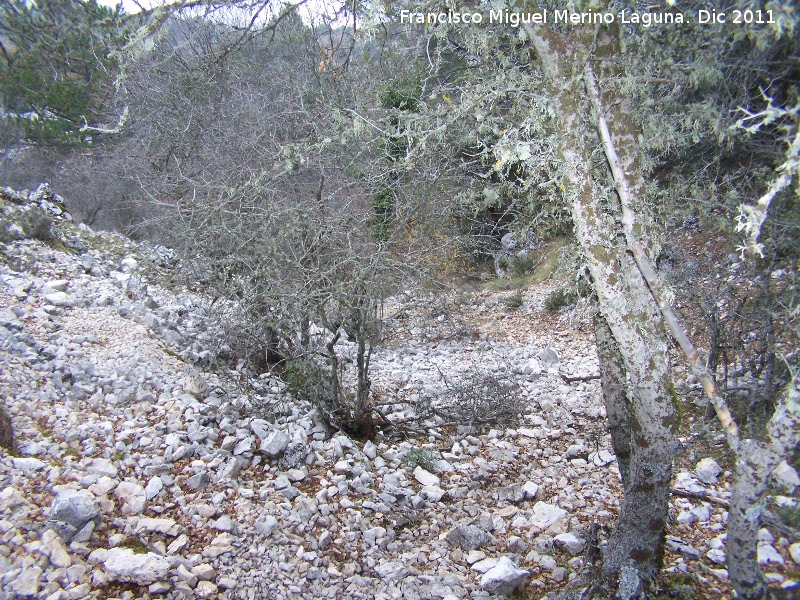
x: 633, y: 556
x: 755, y: 458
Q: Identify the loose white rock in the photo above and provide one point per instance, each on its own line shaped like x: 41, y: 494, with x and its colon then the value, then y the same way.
x: 505, y: 578
x: 570, y: 542
x: 153, y: 488
x: 59, y: 299
x: 26, y: 583
x: 482, y: 566
x: 767, y: 555
x: 134, y: 497
x: 152, y: 525
x: 266, y: 524
x: 794, y: 552
x: 786, y: 477
x: 530, y: 489
x: 370, y: 450
x: 221, y: 544
x: 55, y: 549
x: 275, y: 444
x: 58, y: 285
x: 392, y: 571
x: 544, y: 515
x: 707, y: 471
x: 143, y: 569
x: 426, y: 478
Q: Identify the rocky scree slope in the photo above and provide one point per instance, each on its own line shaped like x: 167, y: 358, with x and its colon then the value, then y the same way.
x: 138, y: 472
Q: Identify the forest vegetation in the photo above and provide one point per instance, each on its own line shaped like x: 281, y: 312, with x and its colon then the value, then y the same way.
x: 311, y: 163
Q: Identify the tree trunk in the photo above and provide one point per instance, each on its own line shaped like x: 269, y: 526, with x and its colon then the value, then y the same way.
x: 755, y: 462
x: 612, y: 381
x: 633, y: 556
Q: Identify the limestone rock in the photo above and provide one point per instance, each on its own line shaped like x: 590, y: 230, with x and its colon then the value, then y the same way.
x: 266, y: 524
x: 275, y: 444
x: 261, y: 428
x: 545, y: 515
x: 514, y: 493
x: 767, y: 555
x: 370, y: 450
x: 26, y: 584
x: 678, y: 545
x: 786, y: 477
x: 59, y: 299
x: 548, y: 563
x: 602, y: 458
x: 55, y: 549
x: 154, y: 525
x: 504, y: 578
x: 206, y: 589
x: 570, y: 542
x: 128, y: 264
x: 58, y: 285
x: 707, y: 471
x: 102, y: 467
x: 530, y: 489
x: 467, y: 537
x: 134, y: 497
x: 153, y: 488
x: 10, y: 497
x: 393, y: 571
x: 482, y: 566
x: 432, y: 493
x: 794, y: 552
x: 71, y: 511
x: 426, y: 478
x: 221, y: 544
x: 125, y: 565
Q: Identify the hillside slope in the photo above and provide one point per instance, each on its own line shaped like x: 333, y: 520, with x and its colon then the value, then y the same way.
x: 138, y: 471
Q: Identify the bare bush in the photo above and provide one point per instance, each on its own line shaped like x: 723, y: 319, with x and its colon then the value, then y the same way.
x: 478, y: 398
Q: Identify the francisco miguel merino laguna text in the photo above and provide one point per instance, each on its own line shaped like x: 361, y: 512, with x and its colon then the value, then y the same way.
x: 515, y: 19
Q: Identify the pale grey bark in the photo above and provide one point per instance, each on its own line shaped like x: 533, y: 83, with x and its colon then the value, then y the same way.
x: 627, y: 194
x: 756, y: 460
x: 615, y: 397
x: 632, y: 557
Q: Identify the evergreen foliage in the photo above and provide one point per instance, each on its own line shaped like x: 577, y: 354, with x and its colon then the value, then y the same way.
x: 56, y: 72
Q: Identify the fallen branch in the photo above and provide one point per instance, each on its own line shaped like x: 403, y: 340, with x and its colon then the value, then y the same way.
x: 701, y: 496
x: 569, y: 379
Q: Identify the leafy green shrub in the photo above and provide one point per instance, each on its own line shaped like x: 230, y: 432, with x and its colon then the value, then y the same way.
x: 514, y: 300
x: 789, y: 515
x: 678, y: 586
x: 383, y: 206
x: 25, y: 222
x: 420, y: 457
x: 305, y: 379
x: 133, y: 544
x: 560, y: 298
